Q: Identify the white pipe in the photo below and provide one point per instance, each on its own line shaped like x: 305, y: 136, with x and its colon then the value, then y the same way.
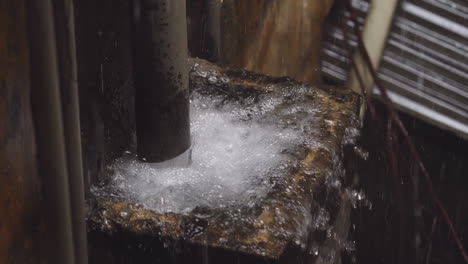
x: 374, y: 35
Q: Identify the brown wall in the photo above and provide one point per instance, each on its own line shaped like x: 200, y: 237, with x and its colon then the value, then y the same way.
x: 105, y: 83
x: 20, y: 184
x: 274, y: 37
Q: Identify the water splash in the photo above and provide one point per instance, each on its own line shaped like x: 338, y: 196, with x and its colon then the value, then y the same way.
x: 235, y: 162
x: 246, y: 146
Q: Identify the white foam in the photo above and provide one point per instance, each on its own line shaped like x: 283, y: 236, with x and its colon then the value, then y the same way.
x: 234, y: 162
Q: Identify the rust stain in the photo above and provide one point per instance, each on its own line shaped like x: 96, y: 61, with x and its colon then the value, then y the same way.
x: 19, y: 195
x: 277, y: 38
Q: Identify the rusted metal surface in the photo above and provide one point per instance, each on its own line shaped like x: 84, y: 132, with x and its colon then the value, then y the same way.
x: 276, y: 222
x: 20, y: 221
x: 277, y: 38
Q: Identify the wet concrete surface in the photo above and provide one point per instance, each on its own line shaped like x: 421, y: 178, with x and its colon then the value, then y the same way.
x: 271, y: 229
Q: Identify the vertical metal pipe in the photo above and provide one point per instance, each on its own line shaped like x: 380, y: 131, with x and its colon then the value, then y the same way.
x: 159, y: 45
x: 46, y: 106
x: 66, y: 49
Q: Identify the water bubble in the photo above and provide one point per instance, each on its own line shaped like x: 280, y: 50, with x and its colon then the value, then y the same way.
x: 359, y: 198
x: 232, y: 163
x: 212, y: 79
x: 362, y: 153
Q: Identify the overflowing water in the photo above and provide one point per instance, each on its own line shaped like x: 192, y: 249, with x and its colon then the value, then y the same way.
x: 236, y: 160
x: 246, y: 145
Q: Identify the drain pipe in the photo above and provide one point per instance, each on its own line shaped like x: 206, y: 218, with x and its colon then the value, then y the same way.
x: 159, y: 51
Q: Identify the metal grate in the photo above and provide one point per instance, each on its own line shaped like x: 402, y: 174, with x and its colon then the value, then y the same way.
x: 425, y: 62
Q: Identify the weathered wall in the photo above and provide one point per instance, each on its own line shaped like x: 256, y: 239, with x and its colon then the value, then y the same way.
x: 105, y: 83
x: 20, y: 183
x: 106, y: 116
x: 278, y: 38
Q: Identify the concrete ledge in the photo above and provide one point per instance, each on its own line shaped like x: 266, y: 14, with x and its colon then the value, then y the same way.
x: 291, y: 212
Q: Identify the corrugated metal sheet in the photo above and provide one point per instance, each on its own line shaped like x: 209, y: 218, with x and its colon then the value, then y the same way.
x: 425, y: 62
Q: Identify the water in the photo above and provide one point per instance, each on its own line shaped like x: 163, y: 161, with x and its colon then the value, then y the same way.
x: 236, y: 160
x: 249, y: 175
